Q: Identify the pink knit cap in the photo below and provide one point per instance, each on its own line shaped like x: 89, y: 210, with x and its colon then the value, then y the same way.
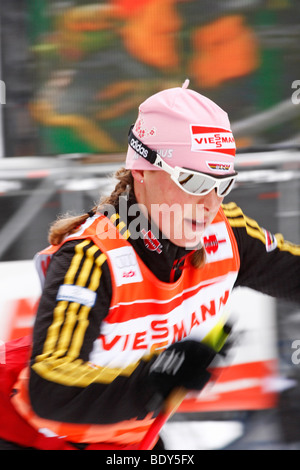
x: 187, y: 130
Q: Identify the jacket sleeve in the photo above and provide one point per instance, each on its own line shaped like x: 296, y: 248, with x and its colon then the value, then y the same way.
x: 269, y: 263
x: 64, y: 385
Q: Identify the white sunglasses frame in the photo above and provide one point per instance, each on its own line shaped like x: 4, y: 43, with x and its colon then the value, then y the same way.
x: 175, y: 172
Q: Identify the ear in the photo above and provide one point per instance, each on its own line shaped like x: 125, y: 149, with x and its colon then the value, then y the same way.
x: 138, y: 175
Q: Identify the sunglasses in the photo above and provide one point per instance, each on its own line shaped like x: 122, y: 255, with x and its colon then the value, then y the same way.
x: 192, y: 182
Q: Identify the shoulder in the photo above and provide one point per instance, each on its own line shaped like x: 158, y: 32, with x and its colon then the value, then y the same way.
x: 248, y: 232
x: 76, y: 258
x: 81, y: 248
x: 243, y: 224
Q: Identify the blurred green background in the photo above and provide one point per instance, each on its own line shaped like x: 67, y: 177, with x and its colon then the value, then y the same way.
x: 76, y: 71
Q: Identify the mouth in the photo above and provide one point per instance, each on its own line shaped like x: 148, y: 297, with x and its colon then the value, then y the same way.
x: 196, y: 225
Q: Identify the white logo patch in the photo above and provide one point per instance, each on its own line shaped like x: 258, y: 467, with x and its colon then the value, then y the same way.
x: 81, y: 295
x: 125, y: 265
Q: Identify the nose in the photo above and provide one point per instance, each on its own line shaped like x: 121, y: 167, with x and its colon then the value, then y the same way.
x: 210, y: 201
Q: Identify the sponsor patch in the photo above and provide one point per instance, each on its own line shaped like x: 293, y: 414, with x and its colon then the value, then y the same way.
x: 211, y: 243
x: 271, y: 241
x: 217, y: 243
x: 125, y: 265
x: 151, y: 241
x: 78, y: 294
x: 212, y: 139
x: 218, y: 166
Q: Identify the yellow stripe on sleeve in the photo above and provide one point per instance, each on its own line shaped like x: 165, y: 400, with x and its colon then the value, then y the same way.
x: 59, y: 361
x: 75, y: 263
x: 284, y: 245
x: 237, y: 218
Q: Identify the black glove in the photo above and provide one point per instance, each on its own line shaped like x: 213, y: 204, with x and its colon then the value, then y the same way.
x: 183, y: 364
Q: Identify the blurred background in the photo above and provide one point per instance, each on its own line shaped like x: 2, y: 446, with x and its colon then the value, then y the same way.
x: 72, y: 76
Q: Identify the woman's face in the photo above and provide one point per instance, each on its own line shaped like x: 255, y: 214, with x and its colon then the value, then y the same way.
x: 181, y: 217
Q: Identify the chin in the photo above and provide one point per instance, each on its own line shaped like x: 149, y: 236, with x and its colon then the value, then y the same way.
x: 188, y: 243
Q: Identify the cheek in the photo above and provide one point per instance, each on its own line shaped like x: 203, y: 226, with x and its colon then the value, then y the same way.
x: 217, y: 204
x: 167, y: 214
x: 165, y: 192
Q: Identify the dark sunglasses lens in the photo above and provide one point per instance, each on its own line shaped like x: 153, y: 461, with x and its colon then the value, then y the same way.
x: 225, y: 187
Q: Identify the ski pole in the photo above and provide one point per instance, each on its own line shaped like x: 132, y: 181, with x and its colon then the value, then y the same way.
x: 217, y: 337
x: 170, y: 406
